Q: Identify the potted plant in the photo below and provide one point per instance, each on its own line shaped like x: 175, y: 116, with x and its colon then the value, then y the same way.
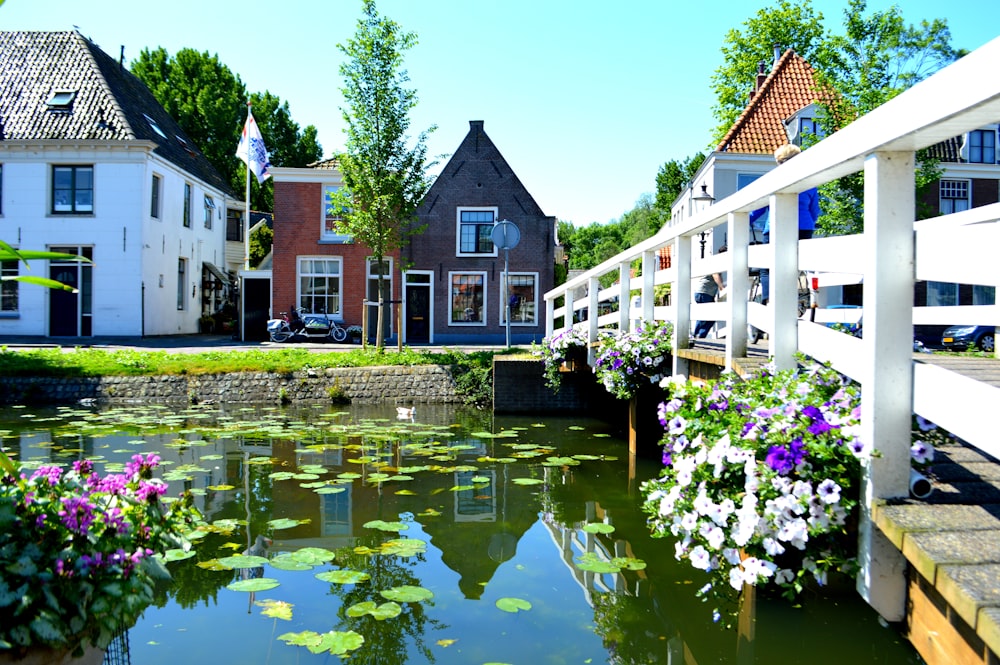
x: 566, y: 350
x: 632, y: 359
x: 761, y: 477
x: 79, y: 554
x: 354, y: 334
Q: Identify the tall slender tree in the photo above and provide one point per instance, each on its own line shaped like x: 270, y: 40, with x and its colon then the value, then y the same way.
x: 384, y: 178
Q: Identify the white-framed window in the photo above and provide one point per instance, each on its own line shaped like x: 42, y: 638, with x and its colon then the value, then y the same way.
x: 209, y: 211
x: 9, y: 289
x: 983, y: 146
x: 473, y: 229
x: 187, y: 205
x: 72, y: 190
x: 954, y: 196
x: 319, y: 284
x: 155, y: 205
x: 181, y: 283
x: 331, y: 219
x: 523, y: 298
x: 467, y: 299
x: 744, y: 179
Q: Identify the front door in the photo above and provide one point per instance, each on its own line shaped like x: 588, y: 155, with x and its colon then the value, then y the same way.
x: 64, y: 306
x: 418, y: 308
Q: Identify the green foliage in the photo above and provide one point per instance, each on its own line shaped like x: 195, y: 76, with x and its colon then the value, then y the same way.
x: 209, y: 102
x: 672, y: 178
x: 261, y: 240
x: 384, y: 179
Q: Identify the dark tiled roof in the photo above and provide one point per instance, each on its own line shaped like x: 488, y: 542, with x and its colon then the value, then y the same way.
x: 326, y: 164
x: 109, y: 105
x: 949, y: 150
x: 790, y: 87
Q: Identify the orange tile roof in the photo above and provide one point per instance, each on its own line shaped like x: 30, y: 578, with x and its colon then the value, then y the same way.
x: 790, y: 87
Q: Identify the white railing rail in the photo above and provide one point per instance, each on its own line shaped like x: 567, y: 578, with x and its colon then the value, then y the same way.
x: 888, y: 257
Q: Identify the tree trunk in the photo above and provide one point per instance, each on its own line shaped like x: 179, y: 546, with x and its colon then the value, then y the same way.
x: 380, y: 324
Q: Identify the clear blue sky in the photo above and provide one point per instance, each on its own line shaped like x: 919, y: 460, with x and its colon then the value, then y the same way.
x: 585, y: 99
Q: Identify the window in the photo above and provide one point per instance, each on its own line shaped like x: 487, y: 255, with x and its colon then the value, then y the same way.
x: 61, y: 100
x: 72, y: 189
x: 983, y: 146
x: 467, y: 303
x: 332, y: 218
x: 153, y: 124
x: 744, y: 179
x: 474, y: 229
x: 319, y: 285
x: 234, y: 225
x: 187, y: 205
x: 942, y: 294
x: 954, y: 196
x: 523, y: 303
x: 154, y: 198
x: 181, y: 282
x: 209, y: 211
x: 8, y: 289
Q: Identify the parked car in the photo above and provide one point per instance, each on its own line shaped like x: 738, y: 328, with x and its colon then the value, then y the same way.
x: 962, y: 337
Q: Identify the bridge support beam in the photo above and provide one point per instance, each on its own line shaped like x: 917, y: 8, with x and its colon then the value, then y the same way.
x: 783, y: 339
x: 886, y: 385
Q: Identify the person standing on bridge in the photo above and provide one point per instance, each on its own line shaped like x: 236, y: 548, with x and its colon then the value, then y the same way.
x: 808, y: 213
x: 706, y: 288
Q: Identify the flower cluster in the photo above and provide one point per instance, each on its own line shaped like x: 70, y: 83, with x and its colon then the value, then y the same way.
x: 77, y: 551
x: 557, y: 349
x: 628, y: 360
x: 761, y: 477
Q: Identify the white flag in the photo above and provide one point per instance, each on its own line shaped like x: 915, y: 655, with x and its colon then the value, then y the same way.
x: 252, y: 151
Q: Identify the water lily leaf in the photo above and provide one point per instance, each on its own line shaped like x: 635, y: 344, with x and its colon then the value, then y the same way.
x: 527, y: 481
x: 407, y: 594
x: 381, y: 612
x: 343, y: 576
x: 349, y: 475
x: 313, y: 555
x: 513, y: 605
x: 313, y: 468
x: 446, y: 643
x: 406, y: 493
x: 281, y: 475
x: 560, y: 461
x: 403, y: 547
x: 598, y: 527
x: 538, y: 424
x: 286, y: 523
x: 211, y: 457
x: 212, y: 564
x: 462, y: 488
x: 586, y: 457
x: 386, y: 526
x: 576, y: 427
x: 328, y: 489
x: 629, y: 563
x: 305, y: 476
x: 336, y: 642
x: 254, y: 584
x: 481, y: 479
x: 287, y: 562
x: 429, y: 512
x: 277, y: 609
x: 601, y: 435
x: 400, y: 478
x: 221, y: 488
x: 377, y: 477
x: 241, y: 561
x: 483, y: 435
x: 177, y: 555
x: 259, y: 460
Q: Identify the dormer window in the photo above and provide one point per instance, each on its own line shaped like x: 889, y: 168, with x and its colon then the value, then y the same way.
x: 155, y: 127
x: 983, y: 146
x: 802, y: 128
x: 61, y: 100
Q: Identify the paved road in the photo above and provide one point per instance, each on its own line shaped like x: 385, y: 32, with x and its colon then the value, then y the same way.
x: 196, y: 344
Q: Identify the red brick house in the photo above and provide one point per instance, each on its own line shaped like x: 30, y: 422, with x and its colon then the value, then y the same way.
x: 454, y: 285
x: 315, y: 266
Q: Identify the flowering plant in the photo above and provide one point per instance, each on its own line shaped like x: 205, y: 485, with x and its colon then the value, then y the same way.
x: 628, y: 360
x: 77, y: 551
x: 761, y: 477
x: 555, y: 350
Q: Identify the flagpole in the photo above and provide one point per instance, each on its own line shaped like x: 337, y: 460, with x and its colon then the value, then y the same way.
x: 246, y: 221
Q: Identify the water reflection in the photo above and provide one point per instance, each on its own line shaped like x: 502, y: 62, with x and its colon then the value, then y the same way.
x: 499, y: 517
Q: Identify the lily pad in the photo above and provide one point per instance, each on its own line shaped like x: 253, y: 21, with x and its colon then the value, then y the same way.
x: 382, y: 525
x: 285, y: 523
x: 513, y: 605
x: 242, y: 561
x: 277, y: 609
x: 286, y: 562
x: 598, y: 527
x: 335, y: 642
x: 527, y: 481
x: 403, y: 547
x: 381, y: 612
x: 177, y: 555
x: 407, y: 594
x: 254, y: 584
x: 343, y: 576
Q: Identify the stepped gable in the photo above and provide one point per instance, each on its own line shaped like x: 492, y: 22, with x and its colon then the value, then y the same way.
x: 108, y: 103
x: 789, y: 87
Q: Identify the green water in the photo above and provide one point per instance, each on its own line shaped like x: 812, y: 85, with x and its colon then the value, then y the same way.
x: 487, y: 537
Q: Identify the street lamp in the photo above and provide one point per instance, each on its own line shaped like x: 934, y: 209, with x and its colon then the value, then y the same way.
x: 701, y: 203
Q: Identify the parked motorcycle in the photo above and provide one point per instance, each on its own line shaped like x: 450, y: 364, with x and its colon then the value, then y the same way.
x: 304, y: 325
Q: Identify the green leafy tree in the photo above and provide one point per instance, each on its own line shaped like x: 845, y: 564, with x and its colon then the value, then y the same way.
x: 261, y: 240
x: 385, y: 179
x: 671, y: 180
x: 209, y: 102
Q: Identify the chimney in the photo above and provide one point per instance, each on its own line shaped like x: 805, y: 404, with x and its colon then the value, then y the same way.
x: 761, y: 77
x: 475, y: 124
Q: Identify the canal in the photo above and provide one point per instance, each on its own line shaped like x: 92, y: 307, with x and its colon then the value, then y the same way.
x: 443, y: 536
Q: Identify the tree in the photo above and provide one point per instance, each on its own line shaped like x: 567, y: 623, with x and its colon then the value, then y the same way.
x: 384, y: 178
x: 672, y: 178
x: 208, y: 101
x: 261, y: 240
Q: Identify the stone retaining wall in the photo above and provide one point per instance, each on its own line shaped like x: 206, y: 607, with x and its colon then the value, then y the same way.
x: 420, y: 383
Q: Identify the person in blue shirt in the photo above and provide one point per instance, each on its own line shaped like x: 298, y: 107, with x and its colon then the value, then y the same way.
x: 808, y: 213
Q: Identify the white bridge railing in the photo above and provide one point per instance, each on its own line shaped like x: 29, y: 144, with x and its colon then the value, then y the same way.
x: 891, y: 254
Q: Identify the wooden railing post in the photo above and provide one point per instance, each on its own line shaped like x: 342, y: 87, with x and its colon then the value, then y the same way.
x: 593, y: 288
x: 650, y: 262
x: 887, y: 386
x: 783, y: 338
x: 737, y: 285
x: 624, y: 299
x: 681, y: 292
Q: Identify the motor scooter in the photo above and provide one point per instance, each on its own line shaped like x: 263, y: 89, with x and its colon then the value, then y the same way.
x: 304, y: 325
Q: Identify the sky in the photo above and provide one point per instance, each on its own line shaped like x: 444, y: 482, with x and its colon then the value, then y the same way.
x: 585, y: 99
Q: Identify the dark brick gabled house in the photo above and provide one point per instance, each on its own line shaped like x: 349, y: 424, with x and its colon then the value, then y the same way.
x: 454, y: 282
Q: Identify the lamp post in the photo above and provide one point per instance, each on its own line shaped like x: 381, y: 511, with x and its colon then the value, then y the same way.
x: 505, y: 236
x: 701, y: 203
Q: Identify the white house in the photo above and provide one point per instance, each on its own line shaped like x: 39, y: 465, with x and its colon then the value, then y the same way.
x: 92, y: 165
